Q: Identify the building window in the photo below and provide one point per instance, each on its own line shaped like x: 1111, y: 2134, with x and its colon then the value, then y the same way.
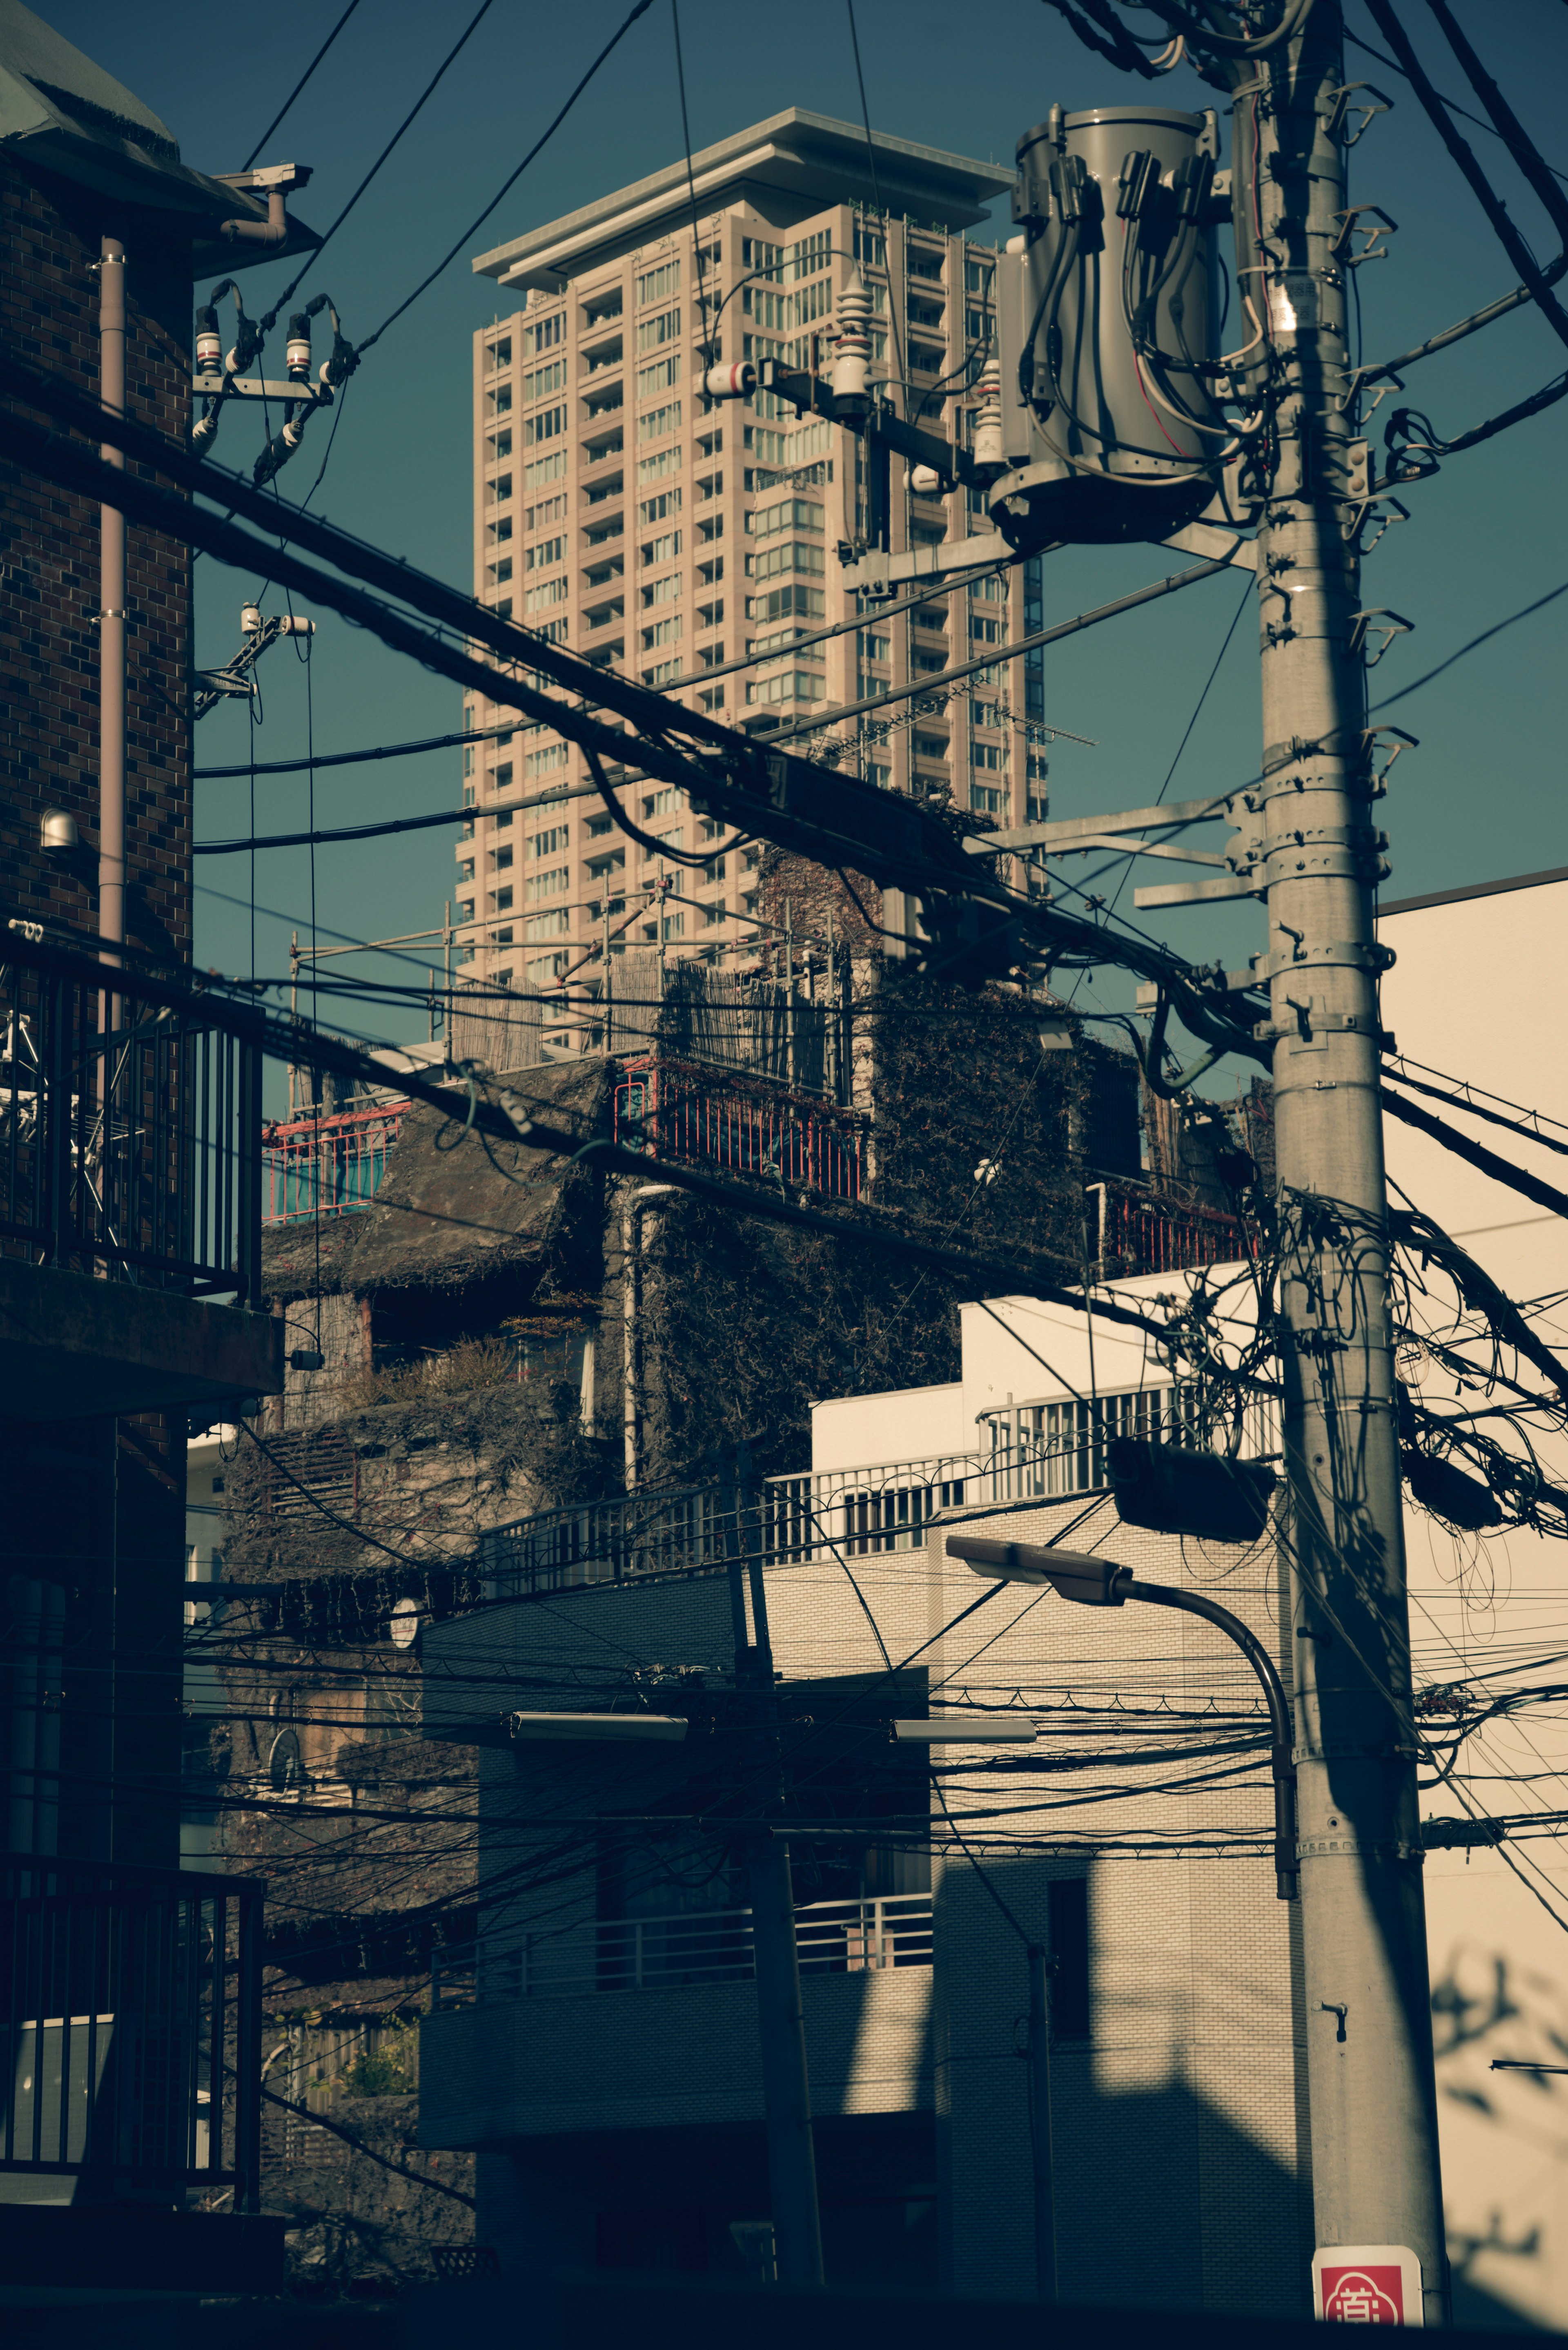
x: 545, y: 762
x: 552, y: 843
x: 500, y: 354
x: 1069, y: 1901
x: 658, y: 421
x: 653, y: 381
x: 658, y: 285
x: 871, y: 248
x: 554, y: 884
x: 792, y: 555
x: 502, y: 900
x: 543, y: 382
x: 661, y: 508
x: 653, y: 333
x: 546, y: 426
x: 790, y: 685
x: 779, y: 603
x: 503, y: 858
x: 985, y: 801
x: 795, y: 514
x: 655, y: 468
x: 547, y: 926
x: 546, y: 335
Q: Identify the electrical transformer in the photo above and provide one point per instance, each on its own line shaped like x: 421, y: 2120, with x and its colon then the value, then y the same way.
x: 1105, y: 330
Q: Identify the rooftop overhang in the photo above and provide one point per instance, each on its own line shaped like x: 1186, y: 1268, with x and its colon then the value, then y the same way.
x: 794, y: 164
x: 73, y: 1348
x: 64, y: 117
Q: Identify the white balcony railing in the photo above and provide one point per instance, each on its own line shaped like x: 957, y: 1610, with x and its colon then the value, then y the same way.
x: 681, y: 1953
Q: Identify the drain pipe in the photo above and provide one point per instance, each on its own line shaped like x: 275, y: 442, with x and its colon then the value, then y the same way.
x: 111, y: 874
x: 631, y: 1302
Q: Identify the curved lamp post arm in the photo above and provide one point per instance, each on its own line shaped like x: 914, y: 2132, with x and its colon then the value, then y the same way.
x: 1095, y: 1582
x: 1193, y: 1603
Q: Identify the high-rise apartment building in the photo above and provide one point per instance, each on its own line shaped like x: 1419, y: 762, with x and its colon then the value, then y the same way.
x: 693, y: 545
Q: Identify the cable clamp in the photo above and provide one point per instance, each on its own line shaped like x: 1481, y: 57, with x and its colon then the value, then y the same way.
x: 1339, y: 954
x: 1351, y: 1848
x: 1340, y: 1749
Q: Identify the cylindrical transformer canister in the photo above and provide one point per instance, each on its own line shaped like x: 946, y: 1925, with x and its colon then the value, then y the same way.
x: 1122, y: 437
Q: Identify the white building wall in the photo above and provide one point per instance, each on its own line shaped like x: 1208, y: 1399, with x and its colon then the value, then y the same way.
x: 1476, y: 994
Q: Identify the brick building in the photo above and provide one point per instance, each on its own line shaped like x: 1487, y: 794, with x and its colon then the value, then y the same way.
x: 112, y: 1285
x: 82, y: 161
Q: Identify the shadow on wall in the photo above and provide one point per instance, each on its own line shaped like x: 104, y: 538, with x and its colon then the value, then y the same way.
x: 1505, y: 2138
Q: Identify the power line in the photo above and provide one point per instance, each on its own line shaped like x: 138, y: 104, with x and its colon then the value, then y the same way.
x: 642, y: 5
x: 347, y: 832
x: 270, y: 320
x: 299, y: 85
x: 1485, y: 638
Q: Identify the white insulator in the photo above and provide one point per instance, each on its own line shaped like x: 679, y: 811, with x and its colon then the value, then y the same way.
x: 295, y: 625
x: 925, y: 481
x: 208, y: 353
x: 852, y: 358
x: 988, y: 418
x: 296, y: 358
x: 250, y: 620
x: 736, y: 382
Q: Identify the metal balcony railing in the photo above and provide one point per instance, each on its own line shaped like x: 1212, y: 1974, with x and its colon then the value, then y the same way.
x: 326, y: 1166
x: 679, y: 1952
x: 796, y: 1518
x: 130, y: 1136
x: 693, y: 1116
x: 130, y: 2026
x: 1133, y: 1230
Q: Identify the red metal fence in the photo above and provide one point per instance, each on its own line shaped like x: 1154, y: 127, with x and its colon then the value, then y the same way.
x: 330, y: 1164
x: 1132, y: 1231
x: 679, y: 1112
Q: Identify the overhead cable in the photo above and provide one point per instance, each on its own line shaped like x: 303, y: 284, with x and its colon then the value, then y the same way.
x: 542, y: 140
x: 271, y: 318
x: 299, y: 85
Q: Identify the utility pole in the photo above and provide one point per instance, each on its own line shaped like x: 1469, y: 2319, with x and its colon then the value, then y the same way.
x: 1369, y: 2049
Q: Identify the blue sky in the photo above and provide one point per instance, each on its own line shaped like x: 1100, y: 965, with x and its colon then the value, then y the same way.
x: 1482, y: 798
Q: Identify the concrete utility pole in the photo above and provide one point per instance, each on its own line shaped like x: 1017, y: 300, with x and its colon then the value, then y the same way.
x: 1369, y: 2049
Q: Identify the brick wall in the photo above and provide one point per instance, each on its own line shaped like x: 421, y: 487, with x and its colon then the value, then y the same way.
x: 49, y: 573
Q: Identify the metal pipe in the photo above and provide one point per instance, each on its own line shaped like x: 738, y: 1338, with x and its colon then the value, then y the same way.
x: 631, y: 1300
x: 273, y: 230
x: 111, y: 609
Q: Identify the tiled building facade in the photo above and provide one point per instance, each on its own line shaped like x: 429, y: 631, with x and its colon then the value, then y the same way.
x: 670, y: 537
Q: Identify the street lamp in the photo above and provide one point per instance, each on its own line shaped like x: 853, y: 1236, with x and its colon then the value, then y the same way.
x: 614, y: 1729
x: 1099, y: 1583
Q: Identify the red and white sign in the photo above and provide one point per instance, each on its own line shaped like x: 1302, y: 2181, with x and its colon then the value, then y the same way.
x: 1368, y: 2284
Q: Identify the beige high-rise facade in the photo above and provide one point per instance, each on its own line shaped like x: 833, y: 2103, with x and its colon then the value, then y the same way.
x: 619, y: 511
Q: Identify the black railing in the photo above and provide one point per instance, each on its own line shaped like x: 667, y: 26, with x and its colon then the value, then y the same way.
x: 130, y: 1136
x: 131, y: 2019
